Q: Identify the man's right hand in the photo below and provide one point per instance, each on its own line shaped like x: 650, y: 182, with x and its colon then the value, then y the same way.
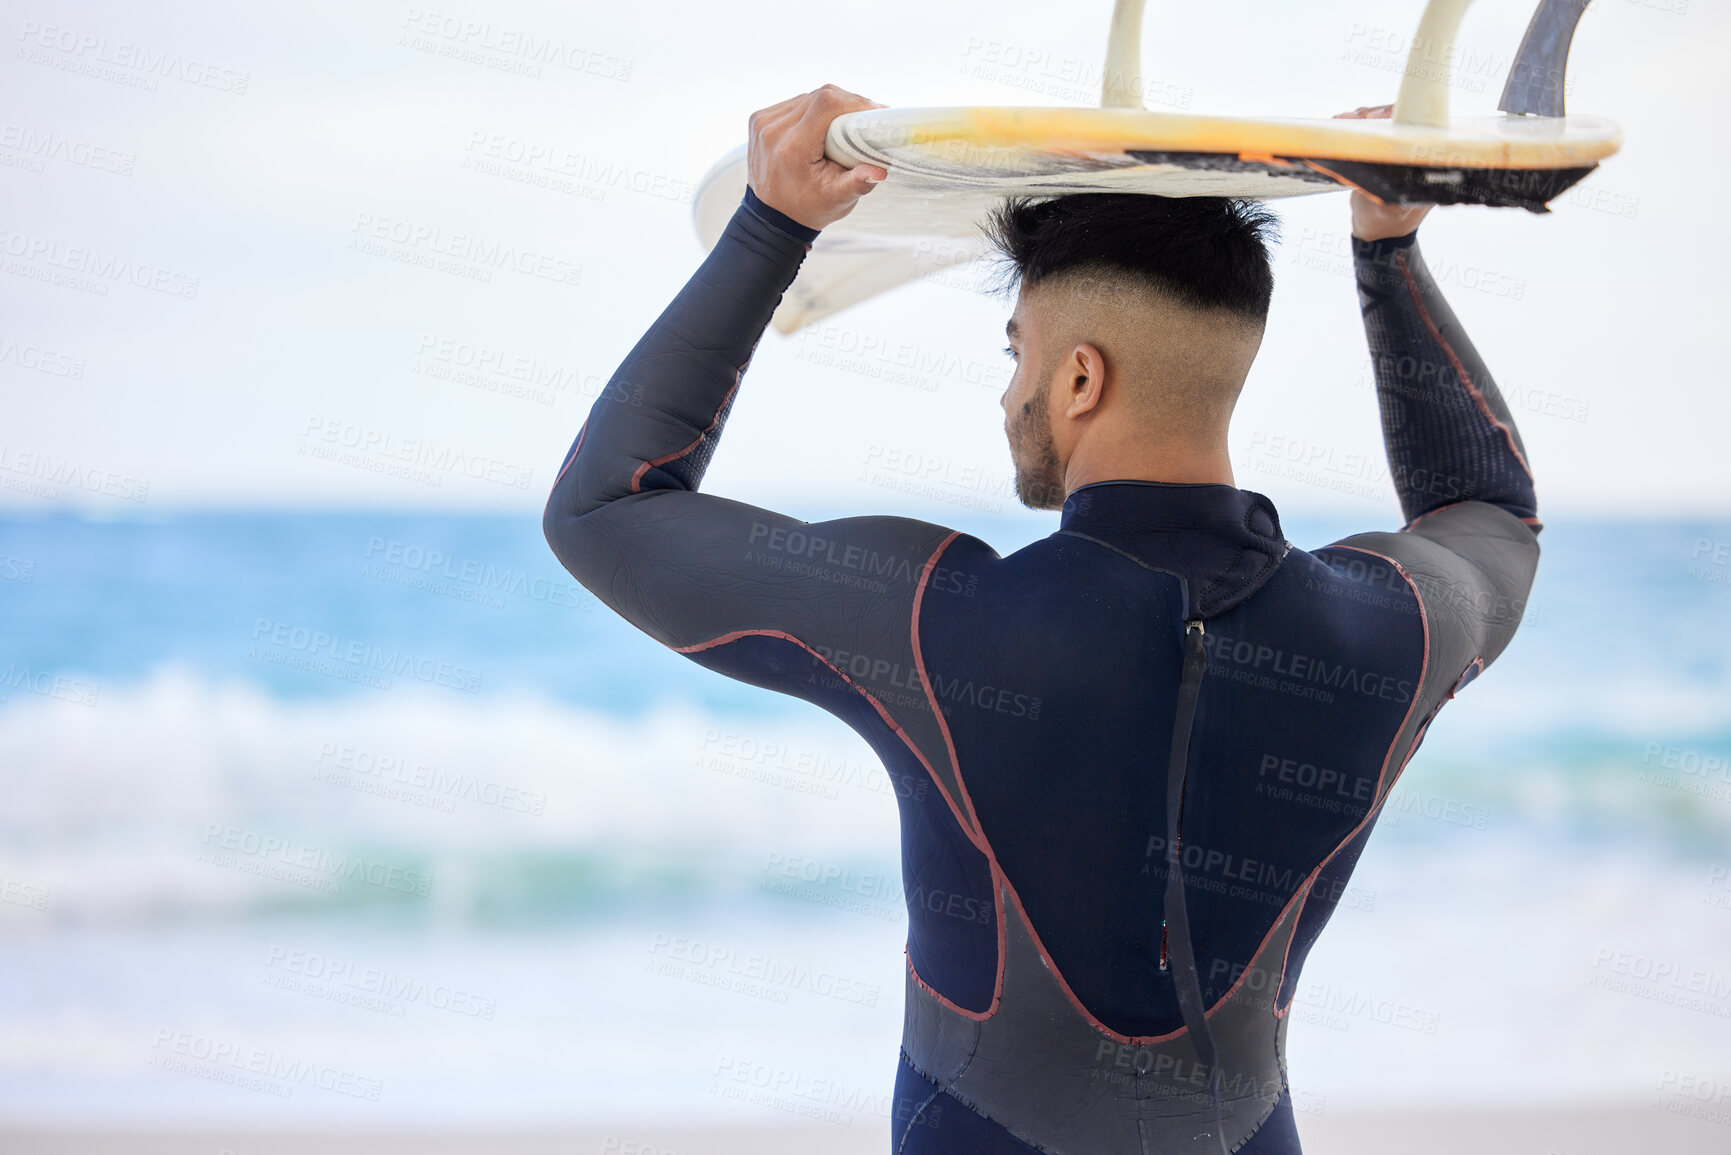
x: 1372, y: 220
x: 785, y: 164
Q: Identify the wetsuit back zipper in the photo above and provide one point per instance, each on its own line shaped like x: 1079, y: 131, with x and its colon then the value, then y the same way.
x: 1176, y: 947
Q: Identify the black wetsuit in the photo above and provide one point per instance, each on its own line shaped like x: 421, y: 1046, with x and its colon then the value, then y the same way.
x: 1033, y: 711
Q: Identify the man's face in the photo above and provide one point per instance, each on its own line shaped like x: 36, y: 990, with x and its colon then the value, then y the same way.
x: 1028, y: 415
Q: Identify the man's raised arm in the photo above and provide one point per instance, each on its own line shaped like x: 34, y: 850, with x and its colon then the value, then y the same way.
x: 1449, y: 435
x: 1455, y: 457
x: 758, y: 595
x: 656, y: 424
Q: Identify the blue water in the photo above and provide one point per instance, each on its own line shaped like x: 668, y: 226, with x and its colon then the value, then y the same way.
x: 116, y: 599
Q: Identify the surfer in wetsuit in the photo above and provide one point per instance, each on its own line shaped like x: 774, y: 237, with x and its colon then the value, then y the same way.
x: 1138, y: 759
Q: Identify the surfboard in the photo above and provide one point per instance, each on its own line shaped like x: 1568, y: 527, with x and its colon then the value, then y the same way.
x: 949, y: 167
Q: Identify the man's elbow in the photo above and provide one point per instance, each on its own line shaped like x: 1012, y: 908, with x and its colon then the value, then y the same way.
x: 550, y: 525
x: 561, y: 526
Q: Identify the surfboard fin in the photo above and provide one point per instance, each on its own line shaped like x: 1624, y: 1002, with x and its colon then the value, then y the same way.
x: 1121, y: 86
x: 1535, y: 84
x: 1424, y: 83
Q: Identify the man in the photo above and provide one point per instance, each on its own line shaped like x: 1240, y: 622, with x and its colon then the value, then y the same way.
x: 1149, y: 747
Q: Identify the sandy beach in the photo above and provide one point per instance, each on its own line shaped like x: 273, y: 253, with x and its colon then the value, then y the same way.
x: 1631, y: 1130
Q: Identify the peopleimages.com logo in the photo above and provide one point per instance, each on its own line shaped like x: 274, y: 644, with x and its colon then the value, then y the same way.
x: 363, y: 657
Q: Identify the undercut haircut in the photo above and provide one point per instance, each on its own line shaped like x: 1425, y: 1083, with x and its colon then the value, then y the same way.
x: 1206, y: 252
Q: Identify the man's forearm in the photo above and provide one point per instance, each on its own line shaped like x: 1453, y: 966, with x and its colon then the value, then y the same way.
x: 1450, y: 437
x: 656, y: 424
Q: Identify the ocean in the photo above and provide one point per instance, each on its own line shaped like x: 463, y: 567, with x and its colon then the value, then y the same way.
x: 373, y: 818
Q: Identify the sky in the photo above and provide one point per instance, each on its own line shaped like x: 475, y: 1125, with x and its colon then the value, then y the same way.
x: 226, y: 236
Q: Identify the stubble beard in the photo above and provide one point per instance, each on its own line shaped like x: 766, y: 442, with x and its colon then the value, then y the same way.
x: 1039, y: 480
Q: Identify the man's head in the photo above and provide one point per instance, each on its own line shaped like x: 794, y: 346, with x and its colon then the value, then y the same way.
x: 1136, y: 320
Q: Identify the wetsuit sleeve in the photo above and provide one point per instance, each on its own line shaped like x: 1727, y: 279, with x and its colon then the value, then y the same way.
x: 697, y: 571
x: 1455, y: 458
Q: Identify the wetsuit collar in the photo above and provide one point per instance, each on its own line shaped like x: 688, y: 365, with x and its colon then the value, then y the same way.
x: 1224, y: 542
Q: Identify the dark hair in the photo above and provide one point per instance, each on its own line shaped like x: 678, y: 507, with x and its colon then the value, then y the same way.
x: 1208, y: 252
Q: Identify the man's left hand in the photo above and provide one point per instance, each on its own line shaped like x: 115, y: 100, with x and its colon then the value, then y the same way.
x: 1373, y: 219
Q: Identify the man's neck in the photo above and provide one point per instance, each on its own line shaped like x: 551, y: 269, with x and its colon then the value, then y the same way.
x: 1178, y: 464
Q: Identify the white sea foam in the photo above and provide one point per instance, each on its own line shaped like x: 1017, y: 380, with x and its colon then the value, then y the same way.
x: 181, y: 796
x: 122, y: 810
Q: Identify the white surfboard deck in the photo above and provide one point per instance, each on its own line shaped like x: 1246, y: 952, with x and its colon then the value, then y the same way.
x: 949, y: 167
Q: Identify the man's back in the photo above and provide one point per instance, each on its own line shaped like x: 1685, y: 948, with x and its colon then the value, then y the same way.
x: 1162, y: 682
x: 1089, y: 623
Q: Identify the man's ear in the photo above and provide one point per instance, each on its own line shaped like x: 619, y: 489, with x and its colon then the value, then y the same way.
x: 1084, y: 381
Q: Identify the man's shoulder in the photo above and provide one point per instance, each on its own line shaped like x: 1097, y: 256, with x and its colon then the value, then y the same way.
x: 880, y: 553
x: 1360, y: 569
